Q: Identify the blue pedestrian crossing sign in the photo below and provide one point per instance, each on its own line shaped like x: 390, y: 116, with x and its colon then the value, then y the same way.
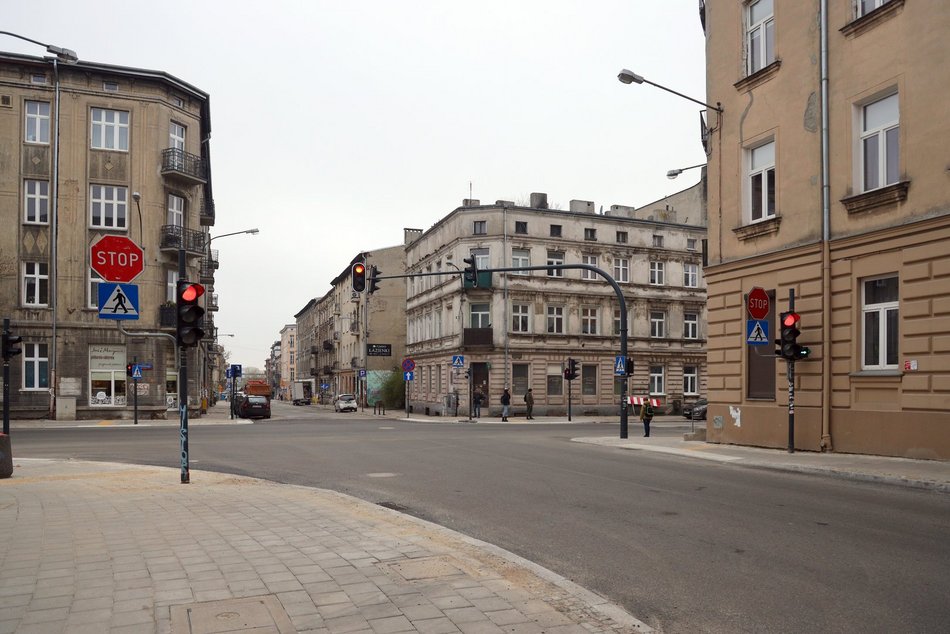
x: 118, y: 301
x: 757, y: 332
x: 409, y: 376
x: 458, y: 361
x: 136, y: 372
x: 620, y: 367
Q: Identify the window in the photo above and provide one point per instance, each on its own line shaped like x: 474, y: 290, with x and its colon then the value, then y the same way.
x: 657, y: 380
x: 176, y: 211
x: 171, y: 285
x: 590, y: 260
x: 35, y: 283
x: 588, y: 321
x: 690, y: 244
x: 658, y: 241
x: 555, y: 258
x: 520, y: 258
x: 555, y: 231
x: 555, y: 381
x: 36, y: 202
x: 690, y: 326
x: 38, y: 79
x: 521, y: 226
x: 481, y: 318
x: 622, y: 269
x: 589, y: 380
x: 555, y: 319
x: 880, y: 143
x: 37, y: 122
x: 590, y: 234
x: 657, y: 324
x: 690, y: 380
x: 110, y: 129
x: 94, y: 279
x: 762, y: 181
x: 519, y: 378
x: 657, y: 273
x: 35, y: 366
x: 760, y: 36
x: 690, y: 275
x: 482, y: 258
x: 520, y: 318
x: 108, y: 206
x: 176, y: 136
x: 178, y: 101
x: 866, y: 6
x: 480, y: 227
x: 616, y: 321
x: 880, y: 312
x: 622, y: 237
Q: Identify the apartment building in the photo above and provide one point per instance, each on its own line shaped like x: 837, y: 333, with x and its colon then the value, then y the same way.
x: 831, y: 182
x: 519, y: 328
x: 288, y: 359
x: 130, y: 158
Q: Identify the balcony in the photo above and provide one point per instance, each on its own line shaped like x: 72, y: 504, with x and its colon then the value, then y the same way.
x: 328, y: 369
x: 207, y: 267
x: 184, y: 167
x: 167, y: 316
x: 174, y: 238
x: 212, y: 302
x: 477, y: 337
x: 206, y: 214
x: 484, y: 280
x: 327, y: 344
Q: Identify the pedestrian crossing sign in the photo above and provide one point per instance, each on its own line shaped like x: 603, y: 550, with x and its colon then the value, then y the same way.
x: 757, y: 332
x: 118, y: 301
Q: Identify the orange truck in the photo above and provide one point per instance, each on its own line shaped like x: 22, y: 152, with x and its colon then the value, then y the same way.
x: 257, y: 387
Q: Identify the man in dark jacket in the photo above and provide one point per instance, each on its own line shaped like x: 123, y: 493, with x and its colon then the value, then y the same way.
x: 529, y: 404
x: 505, y: 403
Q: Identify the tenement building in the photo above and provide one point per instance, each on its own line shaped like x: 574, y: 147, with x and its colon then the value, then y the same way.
x: 519, y: 328
x: 92, y: 150
x: 832, y: 188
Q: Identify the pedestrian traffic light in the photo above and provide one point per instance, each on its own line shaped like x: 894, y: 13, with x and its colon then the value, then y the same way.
x: 788, y: 346
x: 129, y: 369
x: 189, y: 331
x: 471, y: 271
x: 571, y: 372
x: 628, y: 366
x: 359, y: 277
x: 10, y: 342
x: 373, y: 279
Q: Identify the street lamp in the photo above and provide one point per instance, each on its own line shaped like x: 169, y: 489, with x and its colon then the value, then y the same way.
x: 630, y: 77
x: 674, y: 173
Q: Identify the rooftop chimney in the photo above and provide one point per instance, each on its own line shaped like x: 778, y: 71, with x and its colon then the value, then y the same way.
x: 539, y: 200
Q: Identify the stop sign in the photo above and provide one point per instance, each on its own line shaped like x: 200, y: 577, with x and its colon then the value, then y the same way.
x: 117, y: 259
x: 758, y: 304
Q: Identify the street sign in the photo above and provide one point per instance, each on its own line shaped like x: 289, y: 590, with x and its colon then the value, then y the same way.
x: 117, y: 259
x: 136, y: 372
x: 757, y: 332
x: 620, y: 366
x: 324, y: 386
x: 408, y: 365
x: 235, y: 370
x: 458, y: 361
x: 118, y: 301
x: 227, y: 373
x: 758, y: 303
x: 408, y: 376
x: 362, y: 373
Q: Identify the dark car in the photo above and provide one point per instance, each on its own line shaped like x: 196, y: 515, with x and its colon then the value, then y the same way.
x: 254, y: 406
x: 699, y: 410
x: 688, y: 408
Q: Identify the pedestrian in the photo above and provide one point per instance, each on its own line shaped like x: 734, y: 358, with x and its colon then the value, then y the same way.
x: 646, y: 415
x: 505, y: 403
x: 477, y: 399
x: 529, y: 404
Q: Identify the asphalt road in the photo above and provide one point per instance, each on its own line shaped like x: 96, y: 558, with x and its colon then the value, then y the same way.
x: 684, y: 545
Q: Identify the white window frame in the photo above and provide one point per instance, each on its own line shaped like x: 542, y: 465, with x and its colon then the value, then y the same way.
x: 113, y: 203
x: 36, y: 356
x: 886, y: 137
x: 622, y: 269
x: 616, y: 321
x: 110, y: 129
x: 176, y: 135
x: 481, y: 311
x: 555, y: 258
x: 690, y: 275
x: 760, y: 36
x: 520, y: 258
x: 690, y: 325
x: 863, y: 7
x: 520, y: 318
x: 590, y: 260
x: 761, y: 170
x: 690, y: 244
x: 555, y: 320
x: 171, y: 285
x: 93, y: 287
x: 176, y: 211
x: 690, y: 380
x: 589, y: 318
x: 883, y: 310
x: 657, y: 324
x: 37, y: 122
x: 657, y: 273
x: 36, y: 278
x: 657, y: 380
x: 35, y: 202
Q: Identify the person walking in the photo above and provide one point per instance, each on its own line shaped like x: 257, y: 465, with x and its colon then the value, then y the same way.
x: 505, y: 403
x: 646, y: 415
x: 529, y: 404
x: 477, y: 399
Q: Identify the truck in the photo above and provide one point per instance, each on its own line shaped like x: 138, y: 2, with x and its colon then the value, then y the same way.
x: 302, y: 391
x: 257, y: 387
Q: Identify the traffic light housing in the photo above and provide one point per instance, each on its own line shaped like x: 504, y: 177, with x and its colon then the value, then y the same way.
x: 471, y: 271
x: 129, y: 369
x: 788, y: 346
x: 10, y: 343
x: 359, y: 277
x: 373, y: 279
x: 570, y: 373
x: 189, y: 330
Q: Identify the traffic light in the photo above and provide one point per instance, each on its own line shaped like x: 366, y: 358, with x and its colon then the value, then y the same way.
x: 570, y: 373
x: 190, y: 312
x: 471, y: 271
x: 129, y: 369
x: 359, y: 277
x: 10, y: 342
x: 373, y: 279
x: 628, y: 366
x: 788, y: 346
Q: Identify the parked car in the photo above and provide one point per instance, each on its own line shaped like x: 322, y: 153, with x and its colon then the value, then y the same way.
x: 699, y: 410
x: 344, y: 403
x: 254, y: 406
x: 688, y: 408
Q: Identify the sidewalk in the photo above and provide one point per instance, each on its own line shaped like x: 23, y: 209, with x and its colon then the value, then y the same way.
x: 99, y: 547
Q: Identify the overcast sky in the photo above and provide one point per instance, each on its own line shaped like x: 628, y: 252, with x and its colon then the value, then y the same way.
x: 335, y: 124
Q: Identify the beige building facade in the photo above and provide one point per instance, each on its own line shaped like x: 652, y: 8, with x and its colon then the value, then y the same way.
x: 288, y: 359
x: 828, y: 174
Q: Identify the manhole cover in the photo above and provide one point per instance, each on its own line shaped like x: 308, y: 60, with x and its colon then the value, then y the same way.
x: 263, y: 614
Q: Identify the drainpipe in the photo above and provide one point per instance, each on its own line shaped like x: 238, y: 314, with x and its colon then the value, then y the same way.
x: 826, y: 241
x: 504, y: 294
x: 54, y: 238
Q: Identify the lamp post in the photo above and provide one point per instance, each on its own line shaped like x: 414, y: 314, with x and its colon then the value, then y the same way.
x: 671, y: 174
x: 68, y: 56
x: 630, y: 77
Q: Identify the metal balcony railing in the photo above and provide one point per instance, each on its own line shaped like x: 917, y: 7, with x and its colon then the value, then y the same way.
x: 184, y: 166
x: 206, y: 214
x: 477, y: 337
x: 207, y: 267
x: 212, y: 302
x: 167, y: 316
x: 175, y: 237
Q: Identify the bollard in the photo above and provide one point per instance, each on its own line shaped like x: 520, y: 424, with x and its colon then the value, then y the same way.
x: 379, y: 408
x: 6, y: 457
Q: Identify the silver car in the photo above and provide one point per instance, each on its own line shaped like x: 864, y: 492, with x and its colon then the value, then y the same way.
x: 344, y: 403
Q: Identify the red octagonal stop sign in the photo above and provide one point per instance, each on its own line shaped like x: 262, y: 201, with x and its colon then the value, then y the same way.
x: 758, y: 304
x: 117, y: 259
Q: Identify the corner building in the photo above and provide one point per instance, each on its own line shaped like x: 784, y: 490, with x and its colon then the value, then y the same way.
x: 829, y: 177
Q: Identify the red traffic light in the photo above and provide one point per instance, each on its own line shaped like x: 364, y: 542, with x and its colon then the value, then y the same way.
x: 192, y: 292
x: 359, y: 269
x: 790, y: 320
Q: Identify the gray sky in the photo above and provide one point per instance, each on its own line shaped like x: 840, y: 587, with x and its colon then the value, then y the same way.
x: 350, y: 120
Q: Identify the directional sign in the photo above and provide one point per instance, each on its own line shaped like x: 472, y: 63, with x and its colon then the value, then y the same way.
x: 408, y: 365
x: 324, y: 386
x: 117, y: 259
x: 458, y: 361
x: 136, y: 372
x: 118, y: 301
x: 758, y: 303
x: 757, y: 332
x: 408, y: 376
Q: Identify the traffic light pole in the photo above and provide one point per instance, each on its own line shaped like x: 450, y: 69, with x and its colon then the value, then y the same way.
x: 135, y: 394
x: 183, y: 384
x: 791, y: 384
x: 6, y: 382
